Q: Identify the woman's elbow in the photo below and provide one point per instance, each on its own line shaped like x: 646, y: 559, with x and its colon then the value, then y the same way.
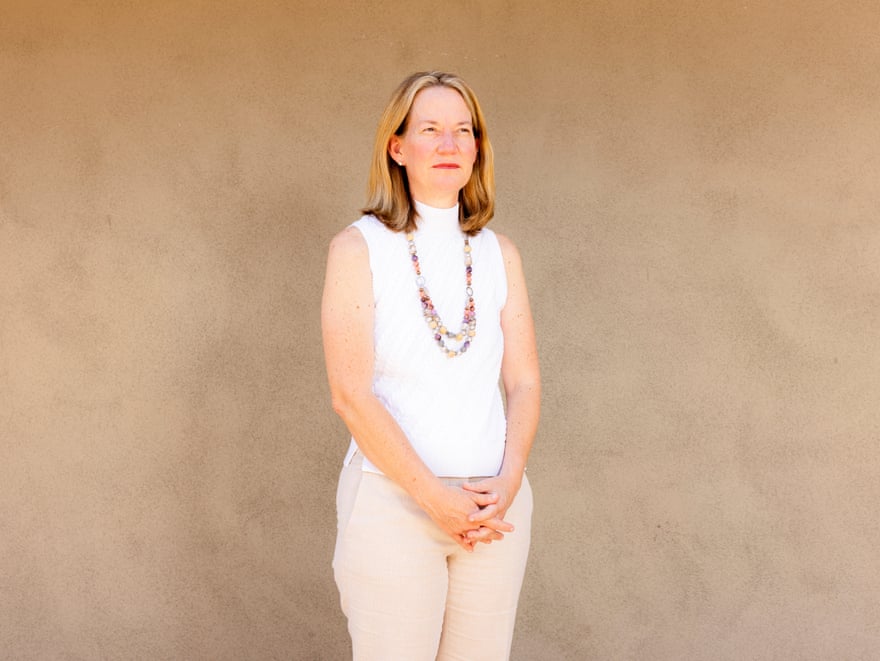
x: 345, y: 402
x: 341, y: 404
x: 525, y: 389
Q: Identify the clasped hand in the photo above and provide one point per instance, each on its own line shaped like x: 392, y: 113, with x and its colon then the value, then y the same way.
x: 473, y: 512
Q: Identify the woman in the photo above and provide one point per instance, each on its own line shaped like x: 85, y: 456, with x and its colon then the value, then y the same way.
x: 422, y: 310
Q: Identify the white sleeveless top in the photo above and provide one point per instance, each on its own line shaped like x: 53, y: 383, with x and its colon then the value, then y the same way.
x: 449, y: 408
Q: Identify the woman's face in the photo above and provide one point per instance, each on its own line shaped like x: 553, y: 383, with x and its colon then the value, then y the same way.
x: 438, y: 148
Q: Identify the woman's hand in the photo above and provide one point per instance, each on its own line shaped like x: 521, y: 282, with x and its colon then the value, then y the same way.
x: 454, y: 509
x: 490, y: 518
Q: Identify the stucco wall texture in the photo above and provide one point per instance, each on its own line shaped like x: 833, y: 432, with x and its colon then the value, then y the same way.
x: 694, y: 188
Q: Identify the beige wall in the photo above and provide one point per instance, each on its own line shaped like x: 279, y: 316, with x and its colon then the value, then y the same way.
x: 694, y: 187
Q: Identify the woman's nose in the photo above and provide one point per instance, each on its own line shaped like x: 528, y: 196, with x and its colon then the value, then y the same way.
x: 447, y: 141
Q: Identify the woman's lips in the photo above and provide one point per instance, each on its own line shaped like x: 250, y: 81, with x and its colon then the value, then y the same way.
x: 447, y: 166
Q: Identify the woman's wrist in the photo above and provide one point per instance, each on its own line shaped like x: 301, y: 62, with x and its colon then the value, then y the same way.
x: 427, y: 492
x: 512, y: 474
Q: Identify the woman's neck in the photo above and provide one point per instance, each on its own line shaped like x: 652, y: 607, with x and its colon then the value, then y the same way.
x: 437, y: 202
x: 439, y: 199
x: 436, y: 219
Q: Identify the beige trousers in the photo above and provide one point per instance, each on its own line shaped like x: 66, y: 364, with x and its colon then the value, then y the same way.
x: 409, y: 592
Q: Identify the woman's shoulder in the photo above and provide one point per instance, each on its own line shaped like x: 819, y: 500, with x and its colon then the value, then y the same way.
x: 507, y: 247
x: 348, y: 244
x: 366, y: 239
x: 368, y: 220
x: 372, y: 228
x: 355, y: 235
x: 374, y: 222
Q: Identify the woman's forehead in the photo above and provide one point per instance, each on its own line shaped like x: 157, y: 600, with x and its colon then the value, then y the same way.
x: 440, y: 102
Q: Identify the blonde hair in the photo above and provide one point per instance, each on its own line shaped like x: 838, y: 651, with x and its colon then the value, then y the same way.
x: 388, y: 196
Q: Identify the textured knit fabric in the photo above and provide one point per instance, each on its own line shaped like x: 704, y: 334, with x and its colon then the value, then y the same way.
x: 449, y: 408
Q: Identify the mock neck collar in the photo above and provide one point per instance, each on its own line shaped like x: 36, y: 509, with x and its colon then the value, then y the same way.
x: 432, y: 219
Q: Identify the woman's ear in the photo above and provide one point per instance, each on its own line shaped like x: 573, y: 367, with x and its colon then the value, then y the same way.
x: 394, y: 149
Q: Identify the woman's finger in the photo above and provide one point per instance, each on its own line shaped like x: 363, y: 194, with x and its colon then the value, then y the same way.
x: 481, y: 486
x: 484, y: 534
x: 483, y: 499
x: 499, y: 525
x: 484, y: 513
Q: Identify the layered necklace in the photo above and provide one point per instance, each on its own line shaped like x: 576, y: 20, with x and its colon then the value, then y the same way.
x: 468, y: 329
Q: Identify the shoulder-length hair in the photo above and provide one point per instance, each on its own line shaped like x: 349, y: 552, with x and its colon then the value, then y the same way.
x: 388, y: 195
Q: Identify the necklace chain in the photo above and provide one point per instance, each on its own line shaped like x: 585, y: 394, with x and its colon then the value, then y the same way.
x: 468, y: 329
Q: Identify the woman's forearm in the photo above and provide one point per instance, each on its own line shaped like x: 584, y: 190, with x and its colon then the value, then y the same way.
x: 383, y: 442
x: 523, y: 412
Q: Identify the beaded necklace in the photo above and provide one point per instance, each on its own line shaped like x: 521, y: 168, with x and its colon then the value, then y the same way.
x: 468, y: 329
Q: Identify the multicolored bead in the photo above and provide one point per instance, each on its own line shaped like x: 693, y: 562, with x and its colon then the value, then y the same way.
x: 468, y: 329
